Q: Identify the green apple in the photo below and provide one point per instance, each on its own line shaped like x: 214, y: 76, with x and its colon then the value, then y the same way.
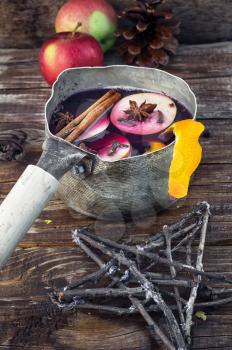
x: 95, y: 17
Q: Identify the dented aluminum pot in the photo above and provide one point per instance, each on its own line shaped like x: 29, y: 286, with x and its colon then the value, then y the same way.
x: 132, y: 187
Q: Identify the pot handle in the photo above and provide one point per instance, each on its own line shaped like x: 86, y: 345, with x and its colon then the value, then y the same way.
x: 22, y: 206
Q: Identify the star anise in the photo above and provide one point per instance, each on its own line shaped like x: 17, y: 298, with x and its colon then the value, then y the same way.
x: 141, y: 112
x: 115, y: 145
x: 60, y: 121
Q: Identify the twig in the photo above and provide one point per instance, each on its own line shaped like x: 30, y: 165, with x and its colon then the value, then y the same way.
x: 199, y: 265
x: 69, y: 294
x: 186, y: 239
x: 157, y: 243
x: 133, y: 310
x: 220, y: 291
x: 153, y: 256
x: 212, y: 292
x: 88, y: 251
x: 170, y: 282
x: 173, y: 274
x: 155, y: 295
x: 148, y: 287
x: 155, y: 328
x: 93, y: 277
x: 213, y: 303
x: 189, y: 251
x: 107, y: 308
x: 197, y: 210
x: 172, y: 295
x: 129, y: 268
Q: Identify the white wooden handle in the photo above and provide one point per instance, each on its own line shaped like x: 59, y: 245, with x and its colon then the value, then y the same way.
x: 22, y: 206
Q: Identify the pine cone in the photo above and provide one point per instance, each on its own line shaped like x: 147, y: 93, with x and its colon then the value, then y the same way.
x: 147, y: 34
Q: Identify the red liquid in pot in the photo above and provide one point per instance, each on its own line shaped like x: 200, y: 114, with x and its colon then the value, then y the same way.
x: 80, y: 101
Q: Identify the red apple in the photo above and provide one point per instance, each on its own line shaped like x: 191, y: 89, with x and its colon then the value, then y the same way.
x: 96, y: 130
x: 67, y: 50
x: 112, y: 147
x: 97, y: 17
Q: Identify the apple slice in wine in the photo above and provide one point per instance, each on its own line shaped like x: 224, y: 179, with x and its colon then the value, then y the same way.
x: 112, y: 147
x: 144, y: 113
x: 96, y: 130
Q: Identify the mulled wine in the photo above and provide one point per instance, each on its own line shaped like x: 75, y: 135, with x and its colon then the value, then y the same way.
x: 118, y: 123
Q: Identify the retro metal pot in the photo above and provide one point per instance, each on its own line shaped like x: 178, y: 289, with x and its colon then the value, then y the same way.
x: 107, y: 190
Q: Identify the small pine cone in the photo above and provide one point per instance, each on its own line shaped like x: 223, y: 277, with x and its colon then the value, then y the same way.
x: 147, y: 34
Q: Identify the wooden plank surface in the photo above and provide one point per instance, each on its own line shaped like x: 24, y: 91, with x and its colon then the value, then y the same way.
x: 32, y: 21
x: 47, y: 258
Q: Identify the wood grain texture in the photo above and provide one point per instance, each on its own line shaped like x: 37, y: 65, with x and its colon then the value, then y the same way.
x: 32, y: 21
x: 22, y: 207
x: 47, y: 258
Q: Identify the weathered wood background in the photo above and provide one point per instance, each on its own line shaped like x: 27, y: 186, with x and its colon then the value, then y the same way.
x: 25, y: 24
x: 47, y: 257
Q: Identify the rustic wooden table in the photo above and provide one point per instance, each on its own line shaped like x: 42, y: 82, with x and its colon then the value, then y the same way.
x: 47, y: 257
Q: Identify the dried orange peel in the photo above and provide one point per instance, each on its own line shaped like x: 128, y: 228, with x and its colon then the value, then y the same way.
x: 155, y: 146
x: 187, y: 155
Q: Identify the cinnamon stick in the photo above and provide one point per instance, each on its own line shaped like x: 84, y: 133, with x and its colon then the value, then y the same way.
x: 69, y: 127
x: 92, y: 116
